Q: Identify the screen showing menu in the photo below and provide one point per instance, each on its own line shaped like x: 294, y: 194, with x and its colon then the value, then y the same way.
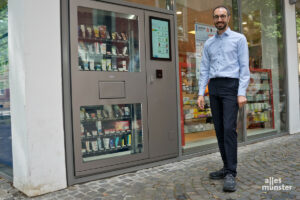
x: 160, y: 39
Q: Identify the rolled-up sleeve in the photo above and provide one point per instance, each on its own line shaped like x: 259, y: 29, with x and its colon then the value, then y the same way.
x: 243, y: 58
x: 204, y: 71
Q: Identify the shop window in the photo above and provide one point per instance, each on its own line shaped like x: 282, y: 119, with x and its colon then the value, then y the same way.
x: 165, y: 4
x: 5, y: 127
x: 194, y: 27
x: 262, y: 25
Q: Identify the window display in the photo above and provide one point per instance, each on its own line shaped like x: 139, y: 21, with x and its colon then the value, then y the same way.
x: 262, y: 24
x: 110, y: 130
x: 260, y: 109
x: 195, y: 119
x: 107, y: 42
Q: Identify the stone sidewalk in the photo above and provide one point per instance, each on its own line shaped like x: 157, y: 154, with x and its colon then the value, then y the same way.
x: 188, y: 179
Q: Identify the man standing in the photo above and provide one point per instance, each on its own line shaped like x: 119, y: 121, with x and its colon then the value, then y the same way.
x: 225, y: 64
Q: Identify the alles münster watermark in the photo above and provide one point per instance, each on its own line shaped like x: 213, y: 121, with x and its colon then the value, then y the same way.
x: 275, y: 184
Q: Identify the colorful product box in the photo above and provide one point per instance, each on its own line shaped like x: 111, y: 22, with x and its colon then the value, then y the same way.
x: 82, y: 29
x: 103, y: 63
x: 106, y: 143
x: 108, y: 64
x: 129, y: 140
x: 112, y: 143
x: 102, y: 31
x: 95, y: 133
x: 89, y: 31
x: 96, y: 32
x: 99, y: 127
x: 103, y: 48
x: 122, y: 125
x: 117, y: 142
x: 87, y: 146
x: 94, y: 145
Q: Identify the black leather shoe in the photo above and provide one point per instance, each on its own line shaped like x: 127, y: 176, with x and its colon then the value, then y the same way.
x: 229, y: 183
x: 220, y: 174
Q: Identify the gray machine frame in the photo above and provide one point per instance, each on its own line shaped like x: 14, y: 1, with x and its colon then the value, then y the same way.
x: 88, y: 93
x: 92, y: 174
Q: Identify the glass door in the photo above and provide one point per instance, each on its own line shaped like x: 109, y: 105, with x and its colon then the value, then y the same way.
x: 266, y: 109
x: 108, y: 86
x: 195, y: 26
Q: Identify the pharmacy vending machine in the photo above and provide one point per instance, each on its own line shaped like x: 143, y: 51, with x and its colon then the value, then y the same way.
x: 122, y: 87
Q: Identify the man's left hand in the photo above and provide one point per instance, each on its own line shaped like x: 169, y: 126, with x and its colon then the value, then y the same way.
x: 242, y: 100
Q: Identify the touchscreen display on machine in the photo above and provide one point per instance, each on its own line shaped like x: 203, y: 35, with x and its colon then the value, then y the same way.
x: 160, y: 39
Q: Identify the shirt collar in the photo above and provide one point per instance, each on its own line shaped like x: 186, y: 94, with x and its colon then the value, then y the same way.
x: 227, y: 32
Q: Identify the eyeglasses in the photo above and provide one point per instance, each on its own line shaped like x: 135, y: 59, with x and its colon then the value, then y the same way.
x: 221, y: 16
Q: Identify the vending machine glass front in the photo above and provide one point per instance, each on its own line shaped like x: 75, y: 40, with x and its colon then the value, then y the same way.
x: 108, y: 104
x: 107, y: 41
x: 110, y: 131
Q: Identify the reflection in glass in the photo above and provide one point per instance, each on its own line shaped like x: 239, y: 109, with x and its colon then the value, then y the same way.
x: 110, y: 130
x: 107, y: 41
x: 262, y: 26
x: 6, y: 162
x: 298, y: 36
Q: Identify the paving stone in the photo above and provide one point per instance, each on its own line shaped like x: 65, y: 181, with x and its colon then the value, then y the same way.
x: 92, y: 193
x: 188, y: 179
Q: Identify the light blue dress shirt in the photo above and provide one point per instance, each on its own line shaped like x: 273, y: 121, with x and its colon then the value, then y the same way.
x: 225, y: 55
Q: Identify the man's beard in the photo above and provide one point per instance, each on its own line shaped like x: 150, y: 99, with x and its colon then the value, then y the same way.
x: 220, y: 28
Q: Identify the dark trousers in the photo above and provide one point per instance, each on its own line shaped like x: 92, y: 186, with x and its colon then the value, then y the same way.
x: 224, y: 108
